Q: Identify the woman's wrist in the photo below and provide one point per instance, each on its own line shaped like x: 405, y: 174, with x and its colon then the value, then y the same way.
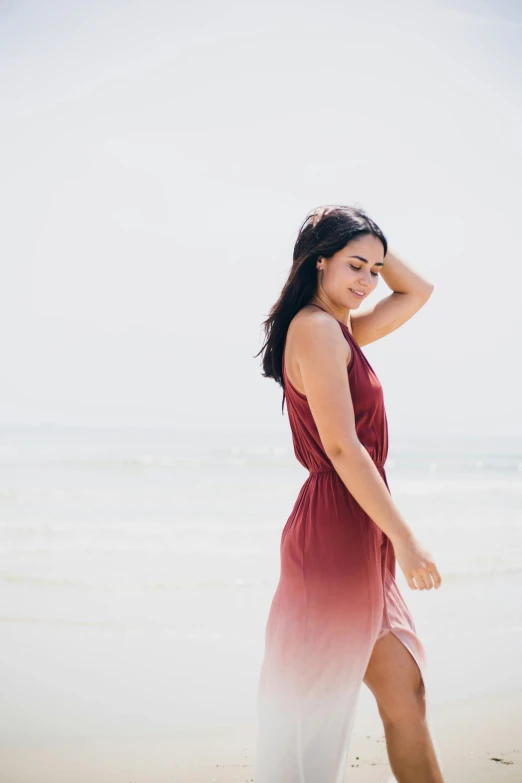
x: 401, y: 277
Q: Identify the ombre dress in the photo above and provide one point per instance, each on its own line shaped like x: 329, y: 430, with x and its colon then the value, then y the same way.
x: 336, y: 596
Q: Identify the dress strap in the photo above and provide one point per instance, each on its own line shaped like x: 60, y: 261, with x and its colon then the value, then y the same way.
x: 333, y: 316
x: 346, y: 331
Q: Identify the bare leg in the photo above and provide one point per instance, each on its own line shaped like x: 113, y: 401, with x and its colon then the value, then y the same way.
x: 395, y: 680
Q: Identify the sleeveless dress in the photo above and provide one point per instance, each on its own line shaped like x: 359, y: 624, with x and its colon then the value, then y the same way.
x: 336, y: 596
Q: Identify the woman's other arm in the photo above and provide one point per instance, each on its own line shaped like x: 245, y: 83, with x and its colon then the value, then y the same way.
x: 410, y: 291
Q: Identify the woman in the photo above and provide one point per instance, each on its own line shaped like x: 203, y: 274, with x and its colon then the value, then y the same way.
x: 337, y: 618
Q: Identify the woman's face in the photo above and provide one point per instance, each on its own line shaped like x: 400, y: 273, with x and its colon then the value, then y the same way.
x: 352, y: 271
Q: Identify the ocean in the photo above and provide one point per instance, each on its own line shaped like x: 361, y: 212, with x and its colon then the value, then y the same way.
x: 137, y: 567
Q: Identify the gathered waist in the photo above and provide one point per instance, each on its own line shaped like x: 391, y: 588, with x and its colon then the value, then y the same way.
x: 332, y: 470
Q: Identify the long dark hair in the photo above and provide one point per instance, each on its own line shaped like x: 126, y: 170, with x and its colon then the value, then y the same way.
x: 323, y: 237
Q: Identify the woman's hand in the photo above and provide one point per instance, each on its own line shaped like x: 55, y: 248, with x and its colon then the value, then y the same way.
x: 416, y: 564
x: 319, y: 213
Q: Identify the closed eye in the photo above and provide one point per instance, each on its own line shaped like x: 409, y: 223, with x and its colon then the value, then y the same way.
x: 375, y: 274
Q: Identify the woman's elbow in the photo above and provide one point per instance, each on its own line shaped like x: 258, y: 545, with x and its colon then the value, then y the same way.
x: 345, y: 448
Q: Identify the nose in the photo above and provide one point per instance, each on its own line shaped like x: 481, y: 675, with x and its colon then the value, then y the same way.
x: 366, y: 280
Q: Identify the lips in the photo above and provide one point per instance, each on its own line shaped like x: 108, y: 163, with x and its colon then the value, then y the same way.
x: 357, y: 294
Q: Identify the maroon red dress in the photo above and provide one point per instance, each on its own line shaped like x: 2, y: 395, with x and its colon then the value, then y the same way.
x: 336, y: 596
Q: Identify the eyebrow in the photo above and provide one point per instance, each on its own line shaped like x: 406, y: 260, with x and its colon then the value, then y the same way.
x: 379, y: 263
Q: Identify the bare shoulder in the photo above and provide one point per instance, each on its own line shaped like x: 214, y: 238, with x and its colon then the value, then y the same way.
x: 312, y: 335
x: 317, y: 368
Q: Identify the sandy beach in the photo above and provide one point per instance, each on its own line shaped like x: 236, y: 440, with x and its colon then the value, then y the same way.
x: 479, y: 740
x: 134, y: 609
x: 161, y: 162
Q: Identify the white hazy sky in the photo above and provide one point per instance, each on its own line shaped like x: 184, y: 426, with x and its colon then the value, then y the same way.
x: 159, y: 157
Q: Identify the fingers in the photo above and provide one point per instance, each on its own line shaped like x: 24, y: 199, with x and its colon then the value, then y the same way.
x: 411, y: 583
x: 318, y: 214
x: 426, y: 579
x: 437, y: 579
x: 316, y: 217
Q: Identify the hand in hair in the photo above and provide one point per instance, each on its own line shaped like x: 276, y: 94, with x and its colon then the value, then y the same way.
x: 319, y: 213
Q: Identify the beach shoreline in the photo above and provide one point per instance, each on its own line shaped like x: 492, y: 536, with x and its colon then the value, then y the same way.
x: 477, y: 738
